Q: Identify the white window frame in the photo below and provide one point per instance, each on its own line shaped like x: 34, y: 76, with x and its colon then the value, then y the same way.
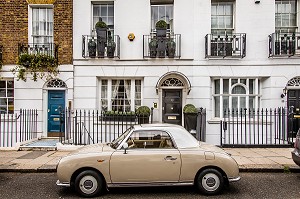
x: 255, y: 94
x: 6, y: 97
x: 30, y: 19
x: 93, y: 30
x: 109, y: 93
x: 171, y: 20
x: 218, y: 3
x: 290, y: 27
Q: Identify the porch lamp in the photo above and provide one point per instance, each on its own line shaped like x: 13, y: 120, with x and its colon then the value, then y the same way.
x: 284, y: 92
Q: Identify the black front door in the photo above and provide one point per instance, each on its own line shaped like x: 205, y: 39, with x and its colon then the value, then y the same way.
x: 172, y: 106
x: 293, y: 103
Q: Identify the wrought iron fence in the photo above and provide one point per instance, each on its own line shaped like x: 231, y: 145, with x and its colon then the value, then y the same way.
x: 258, y: 128
x: 284, y: 44
x: 229, y: 45
x: 18, y: 127
x: 92, y: 126
x: 160, y: 47
x: 90, y: 47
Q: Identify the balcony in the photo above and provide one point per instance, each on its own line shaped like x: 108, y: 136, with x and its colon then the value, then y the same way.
x: 94, y: 48
x: 225, y: 46
x: 284, y: 45
x: 168, y: 46
x: 49, y: 49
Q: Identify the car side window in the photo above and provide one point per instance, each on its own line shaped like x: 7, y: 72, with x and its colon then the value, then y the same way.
x: 150, y: 140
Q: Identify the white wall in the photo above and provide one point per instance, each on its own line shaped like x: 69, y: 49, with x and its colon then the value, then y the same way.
x: 192, y: 21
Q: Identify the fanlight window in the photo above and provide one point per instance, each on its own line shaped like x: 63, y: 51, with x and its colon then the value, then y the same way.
x: 294, y: 82
x: 56, y: 83
x: 172, y: 82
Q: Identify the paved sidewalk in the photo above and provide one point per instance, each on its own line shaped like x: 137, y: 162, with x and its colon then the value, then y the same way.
x: 248, y: 159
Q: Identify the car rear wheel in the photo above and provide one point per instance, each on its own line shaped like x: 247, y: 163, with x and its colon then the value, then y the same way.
x: 210, y: 182
x: 89, y: 183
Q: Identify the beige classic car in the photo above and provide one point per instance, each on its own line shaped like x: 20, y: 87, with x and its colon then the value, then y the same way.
x: 148, y: 155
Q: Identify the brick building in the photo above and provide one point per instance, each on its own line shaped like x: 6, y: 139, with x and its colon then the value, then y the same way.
x: 36, y: 27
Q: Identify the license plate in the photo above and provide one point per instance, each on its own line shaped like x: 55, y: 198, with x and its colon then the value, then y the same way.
x: 55, y: 119
x: 171, y: 117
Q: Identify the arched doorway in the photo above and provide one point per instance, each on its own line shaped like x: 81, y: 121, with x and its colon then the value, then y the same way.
x: 56, y: 101
x: 172, y: 87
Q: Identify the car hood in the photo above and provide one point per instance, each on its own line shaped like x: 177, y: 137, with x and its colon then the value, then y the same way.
x: 90, y: 149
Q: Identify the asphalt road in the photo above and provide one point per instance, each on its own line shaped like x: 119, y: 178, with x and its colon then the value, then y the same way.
x: 252, y: 185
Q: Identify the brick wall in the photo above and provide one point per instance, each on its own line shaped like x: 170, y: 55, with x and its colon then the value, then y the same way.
x: 14, y: 28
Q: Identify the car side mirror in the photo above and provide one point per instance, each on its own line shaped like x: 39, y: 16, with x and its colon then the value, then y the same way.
x: 125, y: 147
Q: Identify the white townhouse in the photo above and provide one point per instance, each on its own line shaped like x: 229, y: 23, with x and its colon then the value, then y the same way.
x: 228, y: 54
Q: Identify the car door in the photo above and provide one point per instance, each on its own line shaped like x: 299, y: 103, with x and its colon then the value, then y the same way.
x: 150, y: 161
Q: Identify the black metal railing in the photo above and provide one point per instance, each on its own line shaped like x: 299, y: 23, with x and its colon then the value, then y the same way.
x: 91, y: 47
x: 92, y: 126
x: 18, y: 127
x: 49, y: 49
x: 255, y: 128
x: 284, y: 44
x: 222, y: 46
x: 162, y: 47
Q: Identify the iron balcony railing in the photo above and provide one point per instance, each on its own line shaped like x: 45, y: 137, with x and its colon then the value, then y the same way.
x: 90, y: 47
x: 164, y: 47
x: 222, y: 46
x: 284, y: 44
x: 49, y: 49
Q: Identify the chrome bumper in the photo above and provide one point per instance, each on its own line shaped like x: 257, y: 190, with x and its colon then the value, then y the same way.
x: 234, y: 179
x: 62, y: 184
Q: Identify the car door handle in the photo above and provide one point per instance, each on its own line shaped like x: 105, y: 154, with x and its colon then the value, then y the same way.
x: 170, y: 158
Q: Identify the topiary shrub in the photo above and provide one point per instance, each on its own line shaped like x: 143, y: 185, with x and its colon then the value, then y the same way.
x: 161, y: 24
x: 189, y: 108
x: 143, y: 111
x: 100, y: 24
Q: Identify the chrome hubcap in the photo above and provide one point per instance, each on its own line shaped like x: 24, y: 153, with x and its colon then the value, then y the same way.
x: 210, y: 182
x: 88, y: 184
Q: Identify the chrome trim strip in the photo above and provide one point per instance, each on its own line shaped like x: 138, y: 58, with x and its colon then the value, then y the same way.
x: 62, y: 184
x: 150, y: 184
x: 234, y: 179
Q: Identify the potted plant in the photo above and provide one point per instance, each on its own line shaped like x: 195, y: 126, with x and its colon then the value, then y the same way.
x: 92, y: 48
x: 153, y: 47
x: 143, y: 114
x: 161, y: 28
x: 190, y: 117
x: 161, y: 32
x: 171, y: 48
x: 101, y: 30
x: 119, y: 116
x: 111, y: 46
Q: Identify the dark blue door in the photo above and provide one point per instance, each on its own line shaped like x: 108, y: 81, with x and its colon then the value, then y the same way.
x: 56, y: 117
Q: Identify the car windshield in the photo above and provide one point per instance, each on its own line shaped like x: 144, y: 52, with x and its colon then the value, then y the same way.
x: 118, y: 141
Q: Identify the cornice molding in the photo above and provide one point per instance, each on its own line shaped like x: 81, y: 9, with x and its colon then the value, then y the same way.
x: 40, y: 1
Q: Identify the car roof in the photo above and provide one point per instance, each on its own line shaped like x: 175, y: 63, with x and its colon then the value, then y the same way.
x: 182, y: 137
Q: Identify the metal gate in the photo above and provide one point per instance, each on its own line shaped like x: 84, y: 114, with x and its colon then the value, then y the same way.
x: 256, y: 128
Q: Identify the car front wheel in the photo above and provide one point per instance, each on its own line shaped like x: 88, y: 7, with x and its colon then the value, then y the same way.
x: 210, y: 182
x: 89, y: 183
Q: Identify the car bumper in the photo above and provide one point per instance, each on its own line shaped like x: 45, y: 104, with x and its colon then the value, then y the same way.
x: 296, y: 157
x: 235, y: 179
x: 62, y: 184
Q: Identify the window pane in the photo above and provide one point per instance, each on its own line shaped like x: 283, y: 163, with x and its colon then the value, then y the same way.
x: 243, y: 81
x: 217, y: 86
x: 234, y: 102
x: 251, y: 86
x: 225, y: 103
x: 238, y: 90
x: 226, y: 86
x: 111, y: 10
x: 217, y: 106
